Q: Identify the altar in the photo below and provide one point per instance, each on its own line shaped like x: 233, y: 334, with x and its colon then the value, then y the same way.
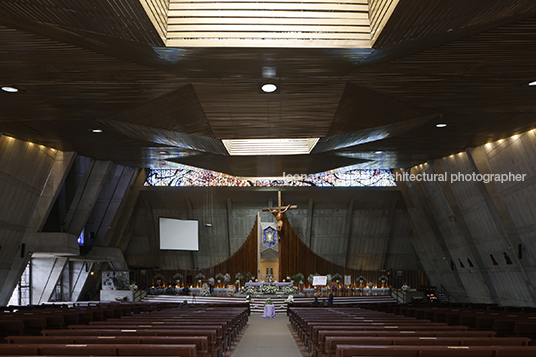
x: 257, y: 284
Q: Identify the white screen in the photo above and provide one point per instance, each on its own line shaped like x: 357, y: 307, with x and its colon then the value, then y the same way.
x: 178, y: 234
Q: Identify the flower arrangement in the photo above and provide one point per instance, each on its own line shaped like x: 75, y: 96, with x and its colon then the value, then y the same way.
x: 405, y: 287
x: 311, y: 278
x: 204, y: 293
x: 269, y: 289
x: 337, y: 277
x: 290, y: 299
x: 133, y: 287
x: 370, y: 285
x: 268, y: 302
x: 227, y: 278
x: 329, y: 279
x: 247, y: 290
x: 248, y: 298
x: 289, y: 290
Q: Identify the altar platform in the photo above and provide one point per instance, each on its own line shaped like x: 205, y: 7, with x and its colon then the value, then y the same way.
x: 257, y: 303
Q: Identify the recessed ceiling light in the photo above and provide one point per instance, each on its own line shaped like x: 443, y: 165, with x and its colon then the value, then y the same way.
x: 269, y: 88
x: 532, y: 83
x: 97, y: 130
x: 10, y: 89
x: 163, y: 152
x: 378, y: 152
x: 441, y: 125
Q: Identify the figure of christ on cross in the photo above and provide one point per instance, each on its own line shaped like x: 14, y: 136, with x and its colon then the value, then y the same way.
x: 279, y: 210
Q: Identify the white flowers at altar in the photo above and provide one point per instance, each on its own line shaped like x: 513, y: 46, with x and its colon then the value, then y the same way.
x: 269, y: 289
x: 289, y: 289
x: 290, y: 299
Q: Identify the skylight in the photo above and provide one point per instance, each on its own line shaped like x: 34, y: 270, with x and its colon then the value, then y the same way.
x: 269, y: 146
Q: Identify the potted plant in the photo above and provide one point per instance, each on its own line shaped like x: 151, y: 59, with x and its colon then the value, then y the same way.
x: 361, y: 279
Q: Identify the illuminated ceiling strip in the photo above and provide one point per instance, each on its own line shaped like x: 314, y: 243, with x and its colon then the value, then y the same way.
x: 246, y: 147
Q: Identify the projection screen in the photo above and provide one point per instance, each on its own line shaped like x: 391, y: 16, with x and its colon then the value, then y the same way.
x: 179, y: 234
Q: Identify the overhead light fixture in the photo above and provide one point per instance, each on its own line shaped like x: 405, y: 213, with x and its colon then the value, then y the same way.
x: 246, y: 147
x: 97, y: 130
x: 10, y: 89
x: 378, y: 152
x: 441, y: 125
x: 269, y: 88
x: 533, y: 83
x: 163, y: 152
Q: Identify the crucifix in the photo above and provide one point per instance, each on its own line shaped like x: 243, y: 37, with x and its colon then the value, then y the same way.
x: 279, y: 210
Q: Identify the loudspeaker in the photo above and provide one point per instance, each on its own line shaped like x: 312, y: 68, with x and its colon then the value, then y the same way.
x: 22, y: 249
x: 520, y: 250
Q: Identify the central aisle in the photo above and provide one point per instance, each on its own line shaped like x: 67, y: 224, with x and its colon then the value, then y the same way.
x: 267, y: 338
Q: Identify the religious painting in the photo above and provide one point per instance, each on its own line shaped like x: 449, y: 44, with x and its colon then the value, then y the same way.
x: 269, y: 237
x: 115, y: 280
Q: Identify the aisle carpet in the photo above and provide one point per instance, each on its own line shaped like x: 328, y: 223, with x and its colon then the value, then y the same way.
x: 268, y: 338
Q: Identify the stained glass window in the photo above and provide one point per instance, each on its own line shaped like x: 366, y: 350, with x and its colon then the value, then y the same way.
x: 183, y: 175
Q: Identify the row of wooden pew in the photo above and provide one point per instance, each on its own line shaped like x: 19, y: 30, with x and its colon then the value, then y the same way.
x: 197, y: 331
x: 33, y: 319
x: 346, y: 332
x: 504, y: 323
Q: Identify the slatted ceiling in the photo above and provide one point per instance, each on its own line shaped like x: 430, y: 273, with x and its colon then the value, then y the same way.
x: 124, y: 19
x: 426, y: 18
x: 237, y: 110
x: 361, y: 108
x: 379, y: 12
x: 268, y: 24
x: 157, y: 11
x: 71, y: 74
x: 179, y: 111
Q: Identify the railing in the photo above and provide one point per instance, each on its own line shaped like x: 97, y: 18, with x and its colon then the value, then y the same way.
x: 445, y: 293
x: 139, y: 295
x: 398, y: 295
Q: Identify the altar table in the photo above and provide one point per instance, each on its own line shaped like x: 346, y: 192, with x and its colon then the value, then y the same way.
x: 269, y: 311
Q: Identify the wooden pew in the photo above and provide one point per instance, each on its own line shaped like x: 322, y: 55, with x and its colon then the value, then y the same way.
x: 436, y: 351
x: 323, y: 334
x: 221, y: 338
x: 201, y: 342
x: 332, y: 342
x: 214, y: 344
x: 314, y: 334
x: 99, y: 349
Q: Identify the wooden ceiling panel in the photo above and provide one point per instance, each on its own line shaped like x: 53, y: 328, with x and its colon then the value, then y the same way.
x: 428, y: 18
x: 123, y: 19
x: 72, y: 72
x: 238, y: 110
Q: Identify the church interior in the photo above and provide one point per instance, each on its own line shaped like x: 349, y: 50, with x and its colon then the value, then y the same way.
x: 386, y: 145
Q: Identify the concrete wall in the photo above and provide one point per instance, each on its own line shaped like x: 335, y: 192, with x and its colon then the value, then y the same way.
x: 371, y: 234
x: 485, y: 230
x: 24, y: 170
